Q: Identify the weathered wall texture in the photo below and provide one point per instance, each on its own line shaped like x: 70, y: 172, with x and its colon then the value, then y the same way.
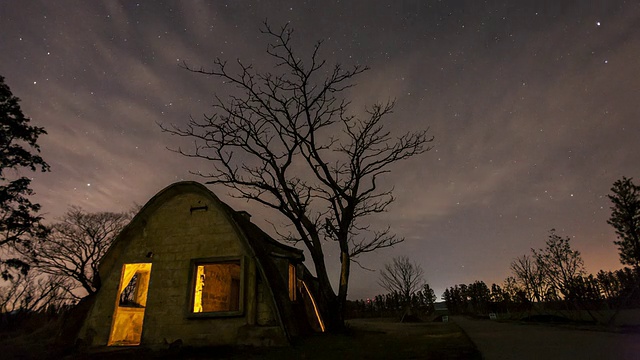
x: 169, y: 237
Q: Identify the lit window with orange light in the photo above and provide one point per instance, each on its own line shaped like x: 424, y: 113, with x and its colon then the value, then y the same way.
x: 292, y: 282
x: 217, y: 287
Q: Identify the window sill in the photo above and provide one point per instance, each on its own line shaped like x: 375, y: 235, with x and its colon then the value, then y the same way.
x: 213, y: 315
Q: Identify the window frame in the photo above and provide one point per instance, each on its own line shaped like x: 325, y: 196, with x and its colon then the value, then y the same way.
x: 191, y: 289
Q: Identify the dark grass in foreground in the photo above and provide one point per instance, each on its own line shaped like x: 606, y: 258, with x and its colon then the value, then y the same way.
x: 365, y: 339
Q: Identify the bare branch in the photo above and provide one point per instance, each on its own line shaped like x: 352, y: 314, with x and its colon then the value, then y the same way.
x: 74, y: 247
x: 285, y: 139
x: 402, y: 276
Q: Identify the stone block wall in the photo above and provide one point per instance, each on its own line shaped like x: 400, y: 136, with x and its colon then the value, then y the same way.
x: 170, y: 236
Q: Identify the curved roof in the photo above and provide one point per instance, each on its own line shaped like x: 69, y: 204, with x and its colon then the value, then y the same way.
x: 259, y: 243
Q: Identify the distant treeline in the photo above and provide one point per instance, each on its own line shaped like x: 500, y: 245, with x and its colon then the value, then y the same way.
x: 420, y: 303
x: 606, y: 290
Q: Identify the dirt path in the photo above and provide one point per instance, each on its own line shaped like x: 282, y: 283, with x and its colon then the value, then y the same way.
x: 497, y: 341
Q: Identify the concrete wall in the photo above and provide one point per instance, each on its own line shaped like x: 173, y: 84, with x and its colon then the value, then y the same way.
x: 173, y: 235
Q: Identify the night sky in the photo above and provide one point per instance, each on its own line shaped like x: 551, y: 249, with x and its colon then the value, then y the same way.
x: 534, y: 106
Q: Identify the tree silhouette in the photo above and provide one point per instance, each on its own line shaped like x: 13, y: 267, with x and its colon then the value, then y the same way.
x: 287, y: 140
x: 428, y: 298
x: 560, y: 264
x: 18, y: 152
x: 32, y: 292
x: 402, y: 276
x: 74, y: 247
x: 530, y: 277
x: 625, y: 218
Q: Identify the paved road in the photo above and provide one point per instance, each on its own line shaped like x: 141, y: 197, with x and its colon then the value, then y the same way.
x: 497, y: 341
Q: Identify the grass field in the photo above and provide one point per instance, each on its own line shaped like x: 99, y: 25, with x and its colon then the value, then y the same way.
x: 365, y: 339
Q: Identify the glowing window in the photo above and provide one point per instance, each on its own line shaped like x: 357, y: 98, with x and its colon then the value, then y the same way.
x: 292, y: 282
x: 217, y: 287
x: 128, y: 316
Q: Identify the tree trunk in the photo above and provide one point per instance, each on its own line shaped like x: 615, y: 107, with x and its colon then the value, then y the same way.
x: 345, y: 269
x: 328, y: 303
x: 332, y: 317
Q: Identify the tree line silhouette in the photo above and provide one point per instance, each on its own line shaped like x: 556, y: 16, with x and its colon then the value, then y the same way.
x: 607, y: 290
x: 394, y: 304
x: 551, y: 278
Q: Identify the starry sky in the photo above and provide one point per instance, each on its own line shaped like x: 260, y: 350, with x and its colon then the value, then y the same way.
x: 534, y: 106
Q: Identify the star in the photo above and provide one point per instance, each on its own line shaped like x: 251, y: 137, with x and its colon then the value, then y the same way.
x: 501, y: 119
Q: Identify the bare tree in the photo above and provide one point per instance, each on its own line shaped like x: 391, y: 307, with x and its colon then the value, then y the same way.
x: 286, y: 140
x: 511, y: 288
x: 75, y: 246
x: 32, y: 292
x: 402, y: 276
x: 530, y: 277
x: 560, y: 264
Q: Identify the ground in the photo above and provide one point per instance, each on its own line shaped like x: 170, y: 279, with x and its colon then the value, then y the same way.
x: 365, y: 339
x: 387, y: 339
x: 526, y: 340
